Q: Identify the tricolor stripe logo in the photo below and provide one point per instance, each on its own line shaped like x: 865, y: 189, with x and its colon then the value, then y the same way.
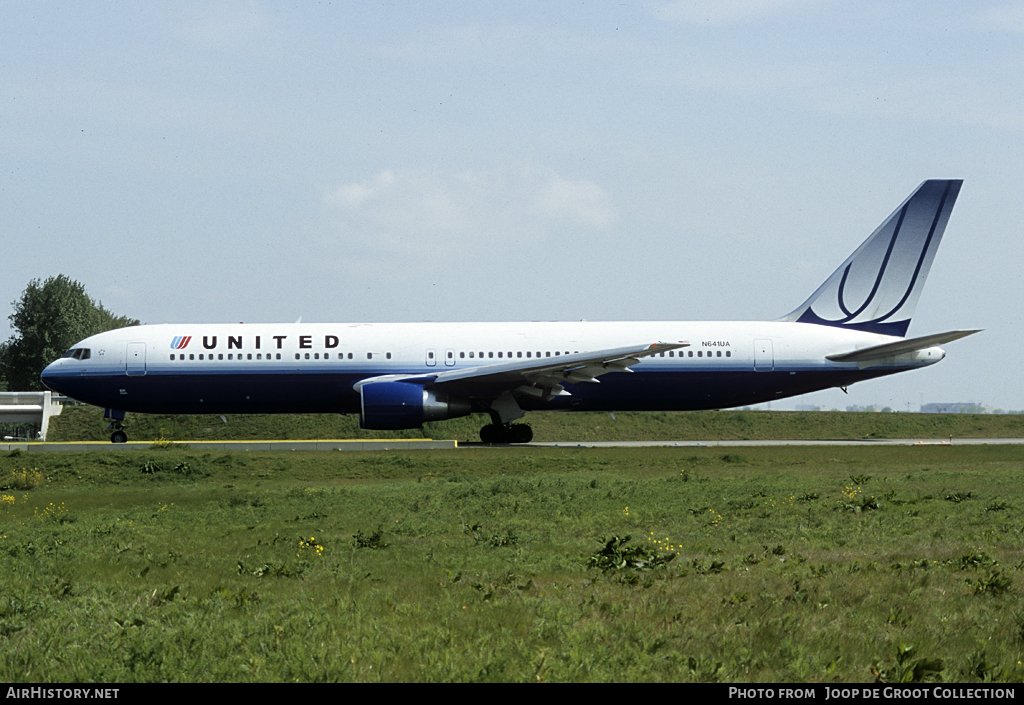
x: 181, y: 342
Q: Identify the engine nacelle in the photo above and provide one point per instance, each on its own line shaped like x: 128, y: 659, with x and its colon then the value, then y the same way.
x: 388, y: 406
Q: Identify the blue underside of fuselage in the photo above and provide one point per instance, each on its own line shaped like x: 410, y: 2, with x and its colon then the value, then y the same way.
x: 330, y: 392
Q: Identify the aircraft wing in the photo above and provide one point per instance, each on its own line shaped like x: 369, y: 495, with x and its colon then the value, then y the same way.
x: 541, y: 378
x: 878, y: 352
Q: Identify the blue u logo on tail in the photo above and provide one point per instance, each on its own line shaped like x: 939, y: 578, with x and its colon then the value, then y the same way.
x: 877, y: 287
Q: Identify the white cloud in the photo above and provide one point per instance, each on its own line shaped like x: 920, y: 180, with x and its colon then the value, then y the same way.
x: 415, y: 213
x: 581, y: 202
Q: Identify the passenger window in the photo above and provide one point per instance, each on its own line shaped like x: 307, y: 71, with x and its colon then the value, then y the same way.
x: 389, y: 355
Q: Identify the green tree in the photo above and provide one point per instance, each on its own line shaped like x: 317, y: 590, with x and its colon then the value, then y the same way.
x: 50, y: 317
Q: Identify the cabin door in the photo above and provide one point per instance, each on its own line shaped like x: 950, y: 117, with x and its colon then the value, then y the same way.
x: 764, y: 357
x: 135, y: 360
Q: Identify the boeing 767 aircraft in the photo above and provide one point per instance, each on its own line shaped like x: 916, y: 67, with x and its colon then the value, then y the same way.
x: 399, y: 375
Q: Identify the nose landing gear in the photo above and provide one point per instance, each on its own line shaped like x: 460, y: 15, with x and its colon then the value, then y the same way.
x: 116, y: 417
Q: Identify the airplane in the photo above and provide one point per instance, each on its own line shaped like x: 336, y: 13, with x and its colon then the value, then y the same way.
x: 400, y: 375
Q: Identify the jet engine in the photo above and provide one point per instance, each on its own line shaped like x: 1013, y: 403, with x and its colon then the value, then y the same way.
x: 393, y: 405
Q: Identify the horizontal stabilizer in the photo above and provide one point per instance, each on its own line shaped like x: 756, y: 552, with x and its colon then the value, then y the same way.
x: 878, y: 352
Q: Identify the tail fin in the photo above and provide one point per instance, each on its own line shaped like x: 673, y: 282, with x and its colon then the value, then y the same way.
x: 877, y: 288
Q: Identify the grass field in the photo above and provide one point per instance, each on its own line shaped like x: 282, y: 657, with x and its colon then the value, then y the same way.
x: 86, y: 424
x: 512, y: 564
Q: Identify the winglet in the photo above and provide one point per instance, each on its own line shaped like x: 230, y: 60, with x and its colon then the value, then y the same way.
x: 877, y: 287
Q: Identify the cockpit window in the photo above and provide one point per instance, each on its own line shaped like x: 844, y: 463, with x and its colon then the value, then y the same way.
x: 79, y: 353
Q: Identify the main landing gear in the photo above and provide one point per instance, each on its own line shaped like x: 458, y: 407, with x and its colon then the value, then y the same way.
x: 119, y: 436
x: 504, y: 410
x: 506, y: 433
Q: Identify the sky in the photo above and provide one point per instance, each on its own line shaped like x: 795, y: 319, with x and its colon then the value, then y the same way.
x: 503, y: 161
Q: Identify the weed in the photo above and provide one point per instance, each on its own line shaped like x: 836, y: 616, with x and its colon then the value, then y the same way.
x: 23, y: 479
x: 373, y: 541
x: 311, y: 545
x: 615, y: 555
x: 958, y: 497
x: 509, y: 538
x: 905, y: 670
x: 712, y: 568
x: 55, y: 512
x: 994, y: 583
x: 978, y: 559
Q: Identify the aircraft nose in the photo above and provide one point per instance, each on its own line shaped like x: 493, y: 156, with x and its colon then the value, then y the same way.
x: 50, y: 375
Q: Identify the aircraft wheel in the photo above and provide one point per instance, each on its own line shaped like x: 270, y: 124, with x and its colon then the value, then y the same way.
x: 492, y: 433
x: 521, y: 433
x: 119, y: 437
x: 516, y: 433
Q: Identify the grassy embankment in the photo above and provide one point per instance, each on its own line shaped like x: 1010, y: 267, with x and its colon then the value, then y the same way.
x: 787, y: 564
x: 86, y: 423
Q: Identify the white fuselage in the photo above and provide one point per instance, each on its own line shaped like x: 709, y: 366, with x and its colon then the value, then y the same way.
x: 313, y: 367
